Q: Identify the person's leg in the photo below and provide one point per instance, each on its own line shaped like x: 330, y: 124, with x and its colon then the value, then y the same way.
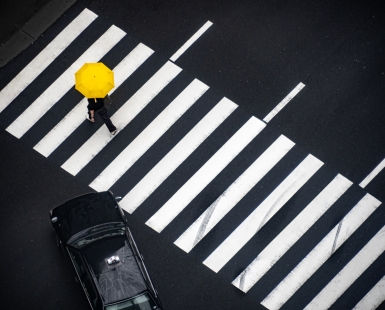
x: 106, y: 119
x: 90, y: 116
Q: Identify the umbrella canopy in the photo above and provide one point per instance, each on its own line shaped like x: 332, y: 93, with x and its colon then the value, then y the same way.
x: 94, y: 80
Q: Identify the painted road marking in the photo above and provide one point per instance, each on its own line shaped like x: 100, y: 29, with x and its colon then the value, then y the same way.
x: 291, y: 234
x: 236, y: 191
x: 328, y: 245
x: 191, y: 41
x: 149, y: 136
x: 64, y: 83
x: 373, y: 174
x: 284, y: 102
x: 45, y: 57
x: 77, y: 115
x: 373, y: 298
x: 182, y: 150
x: 350, y: 273
x: 177, y: 155
x: 263, y: 213
x: 205, y: 174
x: 121, y: 118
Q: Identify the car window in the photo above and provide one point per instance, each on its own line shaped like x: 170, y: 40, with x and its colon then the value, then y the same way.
x: 84, y: 276
x: 76, y: 259
x: 142, y: 302
x: 96, y: 233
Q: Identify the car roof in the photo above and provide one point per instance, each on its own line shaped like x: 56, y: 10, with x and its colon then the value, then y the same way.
x: 118, y: 281
x: 86, y: 211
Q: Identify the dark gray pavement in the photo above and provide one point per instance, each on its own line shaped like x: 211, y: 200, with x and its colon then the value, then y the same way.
x: 34, y: 274
x: 26, y: 21
x: 255, y: 53
x: 15, y: 14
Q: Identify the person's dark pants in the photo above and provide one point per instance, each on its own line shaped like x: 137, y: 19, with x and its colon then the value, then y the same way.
x: 106, y: 119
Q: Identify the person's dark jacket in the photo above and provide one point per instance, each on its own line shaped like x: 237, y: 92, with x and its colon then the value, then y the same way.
x: 95, y: 105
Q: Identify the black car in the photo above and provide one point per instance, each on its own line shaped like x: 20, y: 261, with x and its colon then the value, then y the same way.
x: 92, y: 230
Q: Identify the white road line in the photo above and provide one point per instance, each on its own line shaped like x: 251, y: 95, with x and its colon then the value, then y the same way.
x: 323, y: 250
x: 149, y: 136
x: 373, y: 298
x: 350, y: 273
x: 191, y: 41
x: 373, y: 174
x: 77, y: 115
x: 177, y: 155
x: 284, y: 102
x: 263, y: 213
x: 291, y: 234
x: 236, y: 191
x: 45, y: 57
x: 121, y: 118
x: 64, y: 83
x: 205, y: 174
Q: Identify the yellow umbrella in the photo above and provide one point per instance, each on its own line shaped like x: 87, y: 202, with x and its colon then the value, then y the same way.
x: 94, y: 80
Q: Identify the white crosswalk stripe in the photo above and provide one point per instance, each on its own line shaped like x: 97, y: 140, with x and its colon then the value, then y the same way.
x: 341, y: 282
x: 63, y: 84
x: 373, y: 298
x: 76, y: 116
x: 45, y: 58
x: 149, y: 136
x: 241, y: 186
x: 177, y: 155
x: 146, y: 186
x: 122, y: 118
x: 205, y: 174
x: 285, y: 240
x: 263, y: 213
x: 310, y: 264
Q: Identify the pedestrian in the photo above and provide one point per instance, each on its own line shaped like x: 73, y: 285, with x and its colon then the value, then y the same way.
x: 97, y: 104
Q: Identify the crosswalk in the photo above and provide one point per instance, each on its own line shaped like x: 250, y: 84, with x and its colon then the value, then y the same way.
x: 220, y: 183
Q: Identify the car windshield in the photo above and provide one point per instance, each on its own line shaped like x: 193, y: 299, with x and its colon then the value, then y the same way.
x: 96, y: 233
x: 142, y: 302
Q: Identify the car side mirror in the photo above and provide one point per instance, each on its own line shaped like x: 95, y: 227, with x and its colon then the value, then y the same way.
x: 118, y: 198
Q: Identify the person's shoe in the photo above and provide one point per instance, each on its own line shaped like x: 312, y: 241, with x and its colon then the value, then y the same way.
x: 91, y: 120
x: 114, y: 132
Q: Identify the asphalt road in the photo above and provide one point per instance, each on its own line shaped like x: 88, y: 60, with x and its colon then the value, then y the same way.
x: 14, y: 15
x: 255, y: 53
x: 36, y: 276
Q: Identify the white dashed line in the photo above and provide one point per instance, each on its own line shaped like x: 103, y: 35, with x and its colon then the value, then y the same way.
x: 284, y: 102
x: 373, y: 174
x: 191, y: 41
